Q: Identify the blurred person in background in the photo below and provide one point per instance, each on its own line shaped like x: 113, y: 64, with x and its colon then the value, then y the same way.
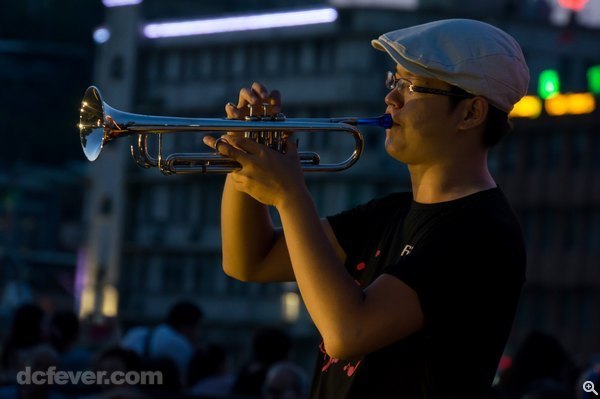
x: 540, y: 365
x: 25, y: 332
x: 175, y: 339
x: 34, y: 359
x: 285, y: 380
x: 591, y: 374
x: 269, y: 345
x: 208, y: 374
x: 63, y: 332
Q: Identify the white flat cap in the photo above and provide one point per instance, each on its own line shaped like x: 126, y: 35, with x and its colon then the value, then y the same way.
x: 475, y: 56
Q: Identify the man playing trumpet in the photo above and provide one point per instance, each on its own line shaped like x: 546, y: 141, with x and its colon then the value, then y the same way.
x: 414, y: 293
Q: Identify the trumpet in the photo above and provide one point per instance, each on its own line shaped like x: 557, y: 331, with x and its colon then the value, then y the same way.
x: 100, y: 124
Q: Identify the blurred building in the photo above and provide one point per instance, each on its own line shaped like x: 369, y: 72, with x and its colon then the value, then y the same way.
x: 40, y: 230
x: 152, y: 239
x: 45, y: 57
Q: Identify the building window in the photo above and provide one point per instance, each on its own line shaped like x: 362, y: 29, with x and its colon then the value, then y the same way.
x: 238, y: 60
x: 143, y: 197
x: 172, y: 274
x: 587, y: 309
x: 257, y: 64
x: 211, y: 195
x: 160, y: 204
x: 578, y: 149
x: 509, y: 155
x: 554, y: 151
x: 572, y: 225
x: 595, y: 148
x: 205, y: 270
x: 117, y: 67
x: 173, y: 66
x: 222, y: 62
x: 204, y: 64
x: 547, y: 229
x: 527, y: 224
x: 593, y: 236
x: 272, y: 60
x: 179, y: 203
x: 150, y: 70
x: 307, y: 58
x: 325, y: 55
x: 535, y: 149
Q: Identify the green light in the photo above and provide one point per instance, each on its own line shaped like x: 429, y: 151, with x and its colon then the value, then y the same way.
x: 593, y: 77
x: 548, y: 84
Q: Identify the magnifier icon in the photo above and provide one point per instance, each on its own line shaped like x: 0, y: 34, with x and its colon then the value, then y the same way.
x: 588, y: 386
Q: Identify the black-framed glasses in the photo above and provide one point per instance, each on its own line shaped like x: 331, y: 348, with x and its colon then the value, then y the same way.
x: 392, y: 82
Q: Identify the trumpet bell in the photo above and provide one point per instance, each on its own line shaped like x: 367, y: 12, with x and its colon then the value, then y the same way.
x: 91, y: 123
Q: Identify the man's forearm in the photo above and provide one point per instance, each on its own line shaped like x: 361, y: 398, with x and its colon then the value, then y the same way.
x: 330, y: 294
x: 247, y: 232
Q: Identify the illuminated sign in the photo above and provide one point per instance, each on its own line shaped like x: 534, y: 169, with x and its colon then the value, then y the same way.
x: 527, y: 107
x: 593, y: 77
x: 548, y: 83
x: 120, y: 3
x: 575, y: 5
x: 240, y: 23
x: 571, y: 103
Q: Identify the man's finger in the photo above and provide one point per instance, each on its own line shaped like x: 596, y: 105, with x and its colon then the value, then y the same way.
x: 275, y: 101
x: 291, y: 147
x: 233, y: 112
x: 261, y: 91
x: 247, y: 145
x: 248, y: 96
x: 217, y: 141
x: 222, y: 146
x: 211, y: 141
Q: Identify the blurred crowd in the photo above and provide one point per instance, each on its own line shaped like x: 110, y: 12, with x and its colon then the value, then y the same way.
x: 189, y: 368
x: 540, y: 368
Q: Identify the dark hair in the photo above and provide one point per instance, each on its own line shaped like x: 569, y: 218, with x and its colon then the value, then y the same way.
x: 271, y: 344
x: 129, y: 358
x: 64, y: 329
x: 206, y: 362
x: 184, y: 314
x: 497, y: 124
x: 25, y: 332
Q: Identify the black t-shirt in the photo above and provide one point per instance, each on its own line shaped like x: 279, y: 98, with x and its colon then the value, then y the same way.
x: 466, y: 261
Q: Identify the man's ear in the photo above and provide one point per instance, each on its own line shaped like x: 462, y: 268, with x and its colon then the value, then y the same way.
x: 474, y: 112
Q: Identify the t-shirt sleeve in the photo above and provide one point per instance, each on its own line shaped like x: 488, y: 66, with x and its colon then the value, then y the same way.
x: 354, y: 227
x: 350, y: 226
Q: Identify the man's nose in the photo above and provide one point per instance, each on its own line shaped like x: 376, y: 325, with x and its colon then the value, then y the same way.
x: 394, y: 99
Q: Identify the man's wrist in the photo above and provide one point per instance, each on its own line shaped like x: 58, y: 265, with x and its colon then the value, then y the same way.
x: 293, y: 199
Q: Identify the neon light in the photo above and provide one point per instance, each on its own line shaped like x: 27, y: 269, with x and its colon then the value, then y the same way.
x: 236, y: 24
x: 570, y: 104
x: 120, y: 3
x: 101, y: 35
x: 110, y: 301
x: 593, y: 77
x: 548, y: 83
x: 574, y: 5
x: 527, y: 107
x: 290, y: 306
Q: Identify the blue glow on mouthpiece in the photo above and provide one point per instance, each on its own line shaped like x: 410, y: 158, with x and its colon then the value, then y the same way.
x: 384, y: 121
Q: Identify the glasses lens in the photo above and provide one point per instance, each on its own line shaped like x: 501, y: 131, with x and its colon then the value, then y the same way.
x: 390, y: 81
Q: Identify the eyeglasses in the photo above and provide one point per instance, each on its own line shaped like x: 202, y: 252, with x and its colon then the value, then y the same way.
x: 392, y: 82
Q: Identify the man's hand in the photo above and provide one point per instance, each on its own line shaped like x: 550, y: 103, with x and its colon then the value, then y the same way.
x: 256, y: 95
x: 267, y: 175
